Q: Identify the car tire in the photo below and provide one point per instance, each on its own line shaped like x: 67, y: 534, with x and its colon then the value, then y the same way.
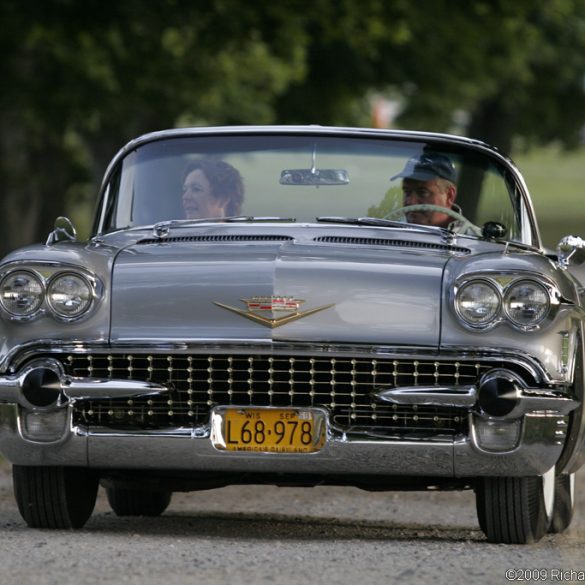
x: 515, y: 510
x: 126, y: 502
x: 564, y: 503
x: 54, y: 497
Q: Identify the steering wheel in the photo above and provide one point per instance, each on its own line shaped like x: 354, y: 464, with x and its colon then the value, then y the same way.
x: 466, y: 225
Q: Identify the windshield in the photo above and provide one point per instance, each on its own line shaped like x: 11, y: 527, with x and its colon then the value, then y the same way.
x: 303, y: 177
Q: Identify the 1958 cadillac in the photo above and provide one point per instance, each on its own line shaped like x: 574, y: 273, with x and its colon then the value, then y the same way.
x: 297, y: 306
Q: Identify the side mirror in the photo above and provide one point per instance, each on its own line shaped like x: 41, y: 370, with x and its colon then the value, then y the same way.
x: 570, y: 250
x: 63, y: 232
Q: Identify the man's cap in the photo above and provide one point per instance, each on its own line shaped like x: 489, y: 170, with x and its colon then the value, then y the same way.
x: 428, y: 166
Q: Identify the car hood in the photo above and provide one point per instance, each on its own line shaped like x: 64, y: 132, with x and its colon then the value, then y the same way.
x: 185, y: 291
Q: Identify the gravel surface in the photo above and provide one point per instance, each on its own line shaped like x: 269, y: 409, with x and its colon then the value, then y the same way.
x: 253, y: 534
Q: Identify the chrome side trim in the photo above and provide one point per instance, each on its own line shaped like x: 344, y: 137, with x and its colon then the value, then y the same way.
x: 535, y: 400
x: 529, y: 399
x: 455, y: 396
x: 72, y: 388
x: 97, y: 388
x: 574, y: 453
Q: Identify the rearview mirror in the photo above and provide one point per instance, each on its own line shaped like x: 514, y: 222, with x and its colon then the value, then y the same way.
x: 314, y: 177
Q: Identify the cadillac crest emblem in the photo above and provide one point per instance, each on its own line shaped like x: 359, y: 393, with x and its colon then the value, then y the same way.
x: 273, y: 311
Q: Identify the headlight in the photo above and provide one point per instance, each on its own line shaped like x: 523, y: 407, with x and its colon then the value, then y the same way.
x: 478, y: 303
x: 21, y: 293
x: 69, y: 296
x: 527, y: 303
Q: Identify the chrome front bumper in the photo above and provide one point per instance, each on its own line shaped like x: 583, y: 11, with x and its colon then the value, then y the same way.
x: 542, y: 438
x: 41, y: 395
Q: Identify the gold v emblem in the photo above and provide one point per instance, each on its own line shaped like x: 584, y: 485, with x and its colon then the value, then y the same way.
x: 273, y: 311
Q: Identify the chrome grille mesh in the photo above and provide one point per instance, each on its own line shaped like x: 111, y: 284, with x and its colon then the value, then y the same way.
x: 343, y: 385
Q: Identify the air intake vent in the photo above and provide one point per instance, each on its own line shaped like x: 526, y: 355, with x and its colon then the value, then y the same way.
x: 218, y: 238
x: 393, y: 243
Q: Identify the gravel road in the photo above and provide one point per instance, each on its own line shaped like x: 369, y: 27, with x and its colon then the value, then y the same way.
x: 236, y: 535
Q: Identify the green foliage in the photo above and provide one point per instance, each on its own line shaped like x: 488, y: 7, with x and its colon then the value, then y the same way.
x: 555, y: 180
x: 392, y: 200
x: 82, y: 78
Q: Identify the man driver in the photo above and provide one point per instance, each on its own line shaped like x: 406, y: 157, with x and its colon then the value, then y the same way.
x: 429, y: 179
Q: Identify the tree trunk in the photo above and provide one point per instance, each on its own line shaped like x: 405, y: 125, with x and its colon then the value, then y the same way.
x: 493, y: 123
x: 32, y: 183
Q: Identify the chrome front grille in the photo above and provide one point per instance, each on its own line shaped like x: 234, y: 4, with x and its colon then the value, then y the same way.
x: 343, y: 385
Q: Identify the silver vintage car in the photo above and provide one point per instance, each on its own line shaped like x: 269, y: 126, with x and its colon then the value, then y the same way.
x: 297, y: 306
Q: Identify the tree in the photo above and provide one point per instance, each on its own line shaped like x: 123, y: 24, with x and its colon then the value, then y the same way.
x: 516, y: 69
x: 80, y: 79
x: 83, y: 80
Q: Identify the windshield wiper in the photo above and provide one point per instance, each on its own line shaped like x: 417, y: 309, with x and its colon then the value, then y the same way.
x: 162, y: 228
x: 379, y: 222
x: 374, y: 221
x: 245, y: 218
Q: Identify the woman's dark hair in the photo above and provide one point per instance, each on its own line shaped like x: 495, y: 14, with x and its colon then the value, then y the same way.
x: 225, y: 180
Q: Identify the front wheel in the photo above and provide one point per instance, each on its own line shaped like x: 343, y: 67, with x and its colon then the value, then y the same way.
x: 564, y: 503
x: 54, y: 497
x: 125, y: 502
x: 515, y: 510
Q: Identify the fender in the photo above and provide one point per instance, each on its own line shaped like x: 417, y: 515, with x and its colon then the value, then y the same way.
x: 573, y: 455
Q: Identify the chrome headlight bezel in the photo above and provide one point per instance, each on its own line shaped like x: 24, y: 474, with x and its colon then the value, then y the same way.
x: 505, y: 284
x: 507, y: 301
x: 46, y: 274
x: 38, y: 307
x: 493, y: 319
x: 51, y: 303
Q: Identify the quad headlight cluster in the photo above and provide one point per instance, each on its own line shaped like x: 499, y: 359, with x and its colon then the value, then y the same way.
x: 525, y: 303
x: 65, y: 295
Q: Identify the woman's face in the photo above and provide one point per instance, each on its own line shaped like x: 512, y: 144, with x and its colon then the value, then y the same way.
x: 198, y: 199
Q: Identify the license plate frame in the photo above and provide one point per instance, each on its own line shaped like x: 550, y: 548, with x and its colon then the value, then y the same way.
x: 285, y: 430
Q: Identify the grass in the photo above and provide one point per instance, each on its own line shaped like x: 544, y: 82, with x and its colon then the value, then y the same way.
x: 556, y: 181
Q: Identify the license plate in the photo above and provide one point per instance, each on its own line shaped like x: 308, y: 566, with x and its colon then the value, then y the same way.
x: 268, y: 430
